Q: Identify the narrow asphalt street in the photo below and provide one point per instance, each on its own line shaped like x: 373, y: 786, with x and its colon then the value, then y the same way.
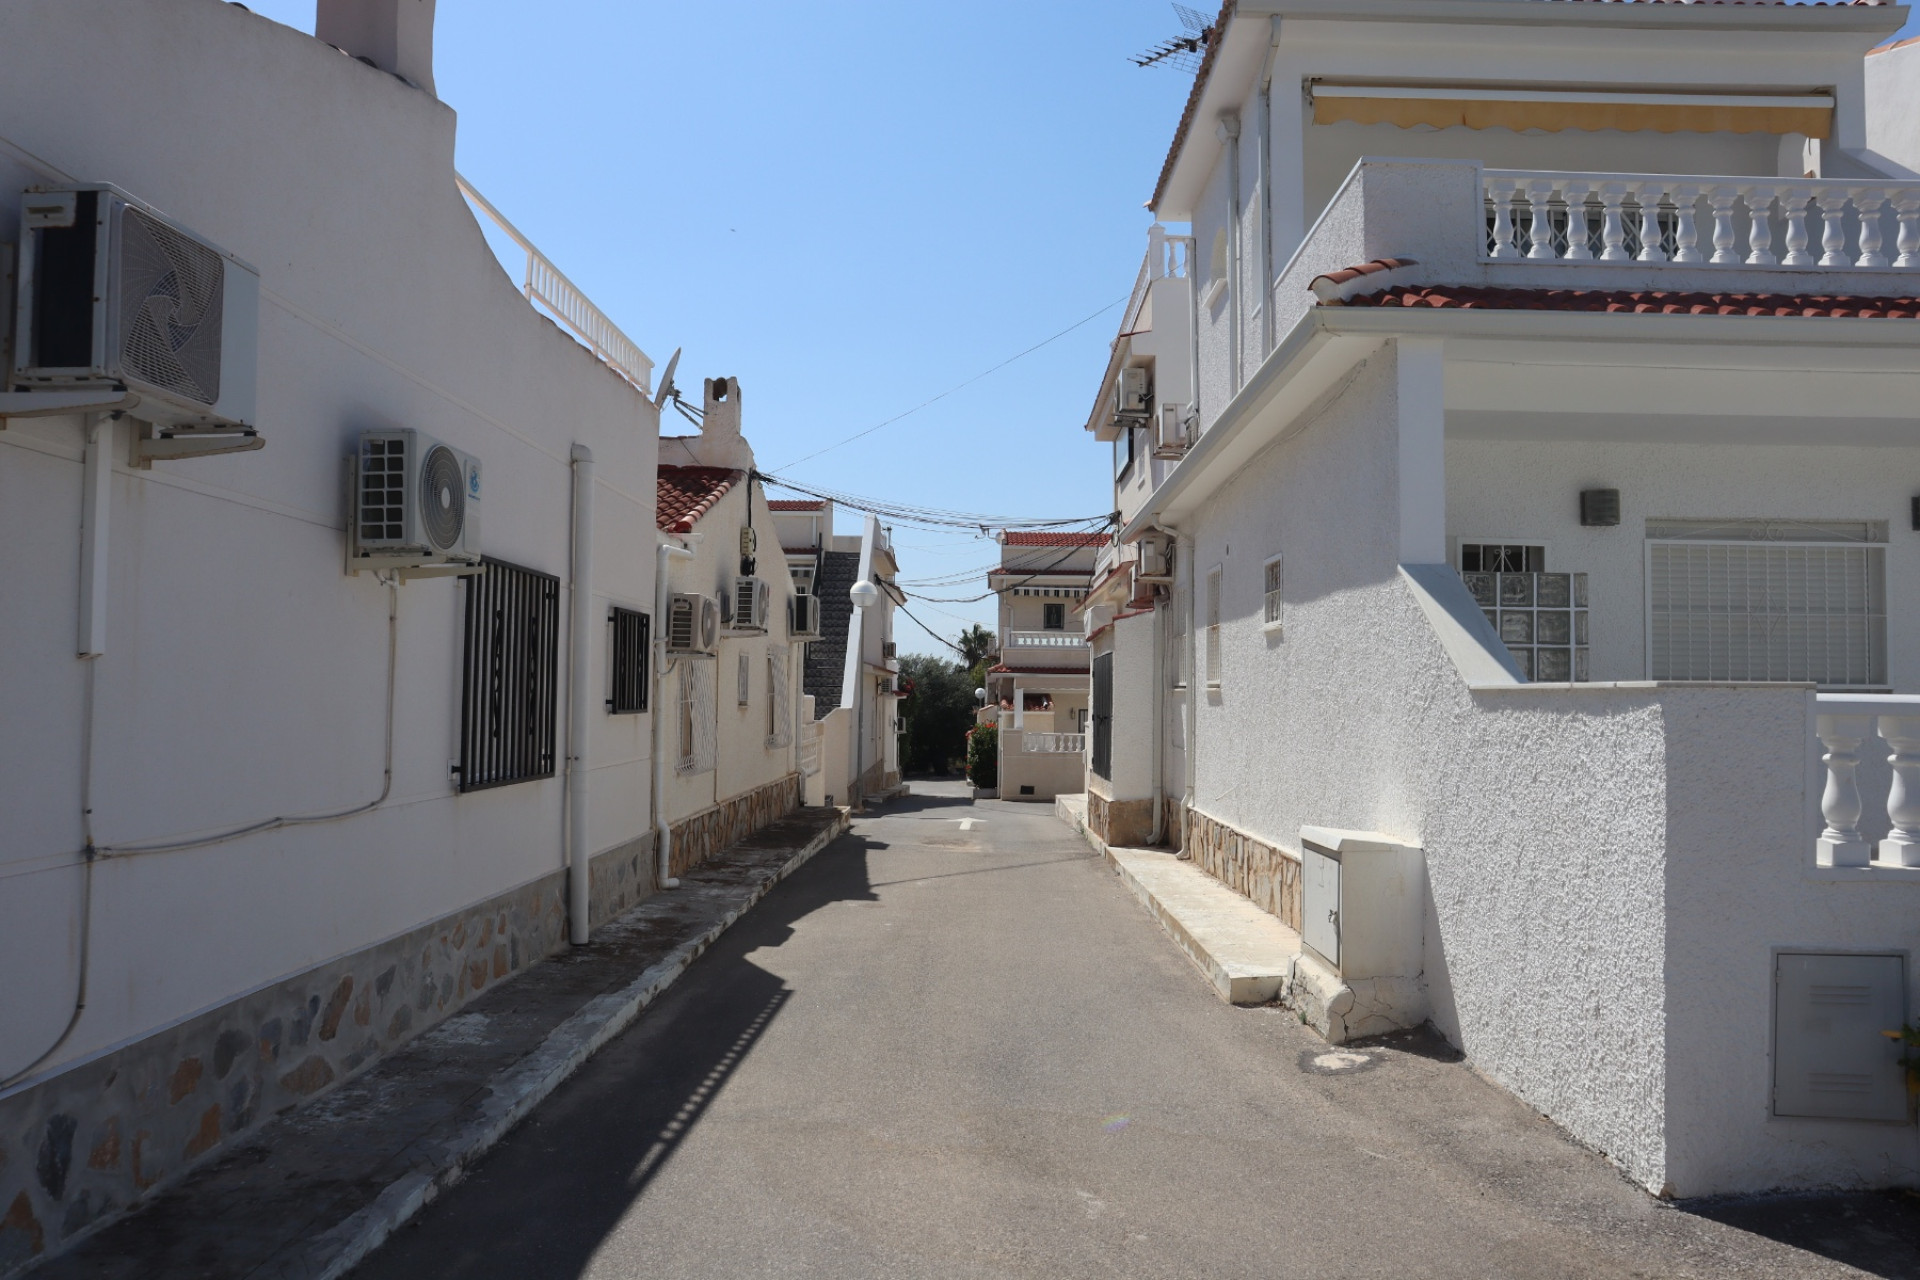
x: 954, y: 1046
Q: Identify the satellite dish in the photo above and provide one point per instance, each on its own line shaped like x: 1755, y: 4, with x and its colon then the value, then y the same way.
x: 667, y: 389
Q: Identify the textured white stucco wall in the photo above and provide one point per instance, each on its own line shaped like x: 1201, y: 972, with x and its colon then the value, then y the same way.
x: 245, y: 671
x: 1529, y: 490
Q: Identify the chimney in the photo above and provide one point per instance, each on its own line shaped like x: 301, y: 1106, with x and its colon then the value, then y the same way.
x: 394, y: 35
x: 720, y: 443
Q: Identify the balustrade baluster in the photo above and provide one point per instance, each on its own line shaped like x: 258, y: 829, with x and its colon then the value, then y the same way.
x: 1867, y: 204
x: 1793, y: 208
x: 1722, y: 201
x: 1650, y: 247
x: 1833, y: 234
x: 1613, y: 231
x: 1577, y: 248
x: 1908, y: 210
x: 1501, y: 193
x: 1840, y: 844
x: 1686, y: 236
x: 1540, y: 230
x: 1901, y: 848
x: 1760, y: 227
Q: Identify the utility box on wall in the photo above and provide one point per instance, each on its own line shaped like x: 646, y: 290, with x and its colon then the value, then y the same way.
x: 1830, y: 1058
x: 1363, y: 934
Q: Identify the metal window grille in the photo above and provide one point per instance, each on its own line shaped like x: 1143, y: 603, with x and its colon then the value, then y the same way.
x: 1180, y: 622
x: 1502, y: 557
x: 509, y: 687
x: 1213, y: 627
x: 743, y: 680
x: 1103, y: 715
x: 629, y: 659
x: 779, y: 702
x: 1767, y: 611
x: 698, y: 711
x: 1053, y: 617
x: 1273, y: 597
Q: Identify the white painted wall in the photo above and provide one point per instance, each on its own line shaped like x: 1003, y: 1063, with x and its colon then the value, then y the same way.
x: 1893, y: 104
x: 743, y: 760
x: 245, y: 671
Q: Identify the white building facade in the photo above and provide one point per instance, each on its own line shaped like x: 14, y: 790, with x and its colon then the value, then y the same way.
x: 1037, y: 688
x: 1536, y: 505
x: 273, y: 806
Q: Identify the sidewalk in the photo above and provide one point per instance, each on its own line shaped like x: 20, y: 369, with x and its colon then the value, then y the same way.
x: 317, y: 1189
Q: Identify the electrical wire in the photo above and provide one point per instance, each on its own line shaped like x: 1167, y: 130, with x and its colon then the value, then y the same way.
x: 859, y: 435
x: 933, y: 519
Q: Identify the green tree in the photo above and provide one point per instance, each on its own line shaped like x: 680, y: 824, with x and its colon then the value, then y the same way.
x: 976, y: 642
x: 983, y: 757
x: 938, y: 714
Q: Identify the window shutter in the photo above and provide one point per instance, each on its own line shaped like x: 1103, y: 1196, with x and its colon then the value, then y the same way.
x: 780, y: 711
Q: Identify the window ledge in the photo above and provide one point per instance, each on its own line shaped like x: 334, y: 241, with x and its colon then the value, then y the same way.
x: 1273, y: 628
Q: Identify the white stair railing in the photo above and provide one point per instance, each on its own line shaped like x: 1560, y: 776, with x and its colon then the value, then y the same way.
x: 1690, y: 221
x: 1045, y: 640
x: 547, y: 285
x: 1054, y: 744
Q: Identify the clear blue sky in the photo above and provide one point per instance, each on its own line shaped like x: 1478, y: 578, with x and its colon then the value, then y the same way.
x: 849, y: 207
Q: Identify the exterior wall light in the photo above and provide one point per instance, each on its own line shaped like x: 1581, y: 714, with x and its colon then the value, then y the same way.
x: 863, y: 594
x: 1601, y: 507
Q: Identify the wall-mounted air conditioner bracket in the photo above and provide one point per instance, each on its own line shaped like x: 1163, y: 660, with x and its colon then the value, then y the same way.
x: 190, y: 442
x: 41, y: 404
x: 441, y: 571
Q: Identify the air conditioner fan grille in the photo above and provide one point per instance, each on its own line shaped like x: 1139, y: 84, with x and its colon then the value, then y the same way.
x: 172, y: 291
x: 443, y: 499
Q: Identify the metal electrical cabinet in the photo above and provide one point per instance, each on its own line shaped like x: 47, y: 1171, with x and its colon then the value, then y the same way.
x: 1363, y: 903
x: 1830, y: 1058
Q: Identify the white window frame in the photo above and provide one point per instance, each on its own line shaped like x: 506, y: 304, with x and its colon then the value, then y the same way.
x: 1459, y: 545
x: 1216, y: 586
x: 1273, y: 595
x: 1878, y: 642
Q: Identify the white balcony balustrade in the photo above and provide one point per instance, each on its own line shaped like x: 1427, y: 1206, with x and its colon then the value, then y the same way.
x: 1845, y: 723
x: 1045, y: 640
x: 1054, y: 744
x: 1687, y: 221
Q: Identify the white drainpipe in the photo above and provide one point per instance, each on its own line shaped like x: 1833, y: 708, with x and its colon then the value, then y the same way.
x: 580, y: 595
x: 1229, y: 132
x: 1159, y: 724
x: 663, y: 834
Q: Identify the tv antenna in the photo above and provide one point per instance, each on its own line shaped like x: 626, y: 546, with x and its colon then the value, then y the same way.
x: 1182, y: 52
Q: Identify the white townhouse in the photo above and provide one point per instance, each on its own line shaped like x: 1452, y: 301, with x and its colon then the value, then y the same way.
x: 1037, y: 688
x: 1517, y: 429
x: 850, y: 737
x: 327, y: 567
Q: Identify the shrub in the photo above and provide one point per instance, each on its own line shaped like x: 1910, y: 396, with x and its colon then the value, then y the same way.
x: 983, y: 757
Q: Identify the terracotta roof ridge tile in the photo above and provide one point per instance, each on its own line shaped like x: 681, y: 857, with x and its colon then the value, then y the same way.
x: 1641, y: 301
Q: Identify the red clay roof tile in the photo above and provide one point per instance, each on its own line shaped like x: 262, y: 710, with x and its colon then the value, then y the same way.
x: 796, y: 504
x: 1450, y: 297
x: 1025, y: 538
x: 684, y: 494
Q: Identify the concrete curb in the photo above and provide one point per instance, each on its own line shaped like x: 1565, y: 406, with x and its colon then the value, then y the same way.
x: 517, y: 1091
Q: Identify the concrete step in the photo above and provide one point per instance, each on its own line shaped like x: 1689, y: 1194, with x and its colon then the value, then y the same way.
x: 1247, y: 954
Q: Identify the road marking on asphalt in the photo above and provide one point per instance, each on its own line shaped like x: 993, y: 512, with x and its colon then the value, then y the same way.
x: 968, y: 824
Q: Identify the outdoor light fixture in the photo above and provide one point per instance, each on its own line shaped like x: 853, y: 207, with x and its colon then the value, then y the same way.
x: 1601, y: 507
x: 864, y: 594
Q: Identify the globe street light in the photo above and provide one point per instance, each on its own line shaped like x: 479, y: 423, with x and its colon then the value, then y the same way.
x: 864, y: 594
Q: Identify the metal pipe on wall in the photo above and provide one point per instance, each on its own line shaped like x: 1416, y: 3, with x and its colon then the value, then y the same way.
x: 663, y: 834
x: 579, y: 629
x: 1230, y: 137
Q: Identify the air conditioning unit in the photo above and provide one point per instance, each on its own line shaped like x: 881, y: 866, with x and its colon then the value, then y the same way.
x: 1155, y: 560
x: 803, y: 617
x: 120, y: 307
x: 1132, y: 393
x: 1171, y: 439
x: 693, y: 624
x: 750, y: 598
x: 416, y: 505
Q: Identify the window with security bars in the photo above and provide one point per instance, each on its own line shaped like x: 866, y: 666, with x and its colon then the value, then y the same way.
x: 509, y: 691
x: 1270, y: 614
x: 698, y: 709
x: 1761, y: 611
x: 1502, y: 557
x: 1213, y: 627
x: 1179, y: 624
x: 628, y: 656
x: 779, y: 701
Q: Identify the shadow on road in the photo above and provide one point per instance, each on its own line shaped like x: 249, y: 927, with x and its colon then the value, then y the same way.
x: 1876, y: 1231
x: 569, y: 1174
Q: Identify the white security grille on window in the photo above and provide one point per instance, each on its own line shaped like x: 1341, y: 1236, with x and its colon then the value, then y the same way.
x: 1784, y: 603
x: 1271, y: 615
x: 1180, y: 622
x: 1213, y: 627
x: 779, y: 711
x: 744, y: 680
x: 697, y: 711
